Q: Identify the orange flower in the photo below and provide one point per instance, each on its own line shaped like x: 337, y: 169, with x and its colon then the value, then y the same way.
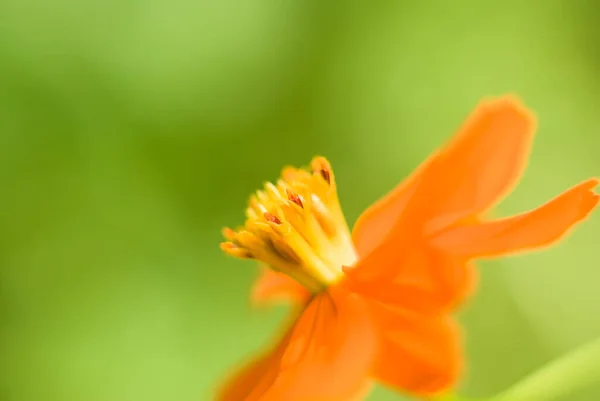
x: 375, y: 304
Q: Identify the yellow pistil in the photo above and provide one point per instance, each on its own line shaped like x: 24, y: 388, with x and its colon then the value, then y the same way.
x: 296, y: 226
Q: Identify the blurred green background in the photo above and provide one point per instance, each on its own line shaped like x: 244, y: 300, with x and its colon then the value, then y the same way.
x: 132, y: 131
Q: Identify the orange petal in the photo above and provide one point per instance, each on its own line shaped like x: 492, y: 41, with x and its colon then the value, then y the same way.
x: 379, y: 218
x: 272, y: 286
x: 419, y: 355
x: 537, y: 228
x: 414, y: 277
x: 329, y: 353
x: 257, y: 374
x: 467, y: 176
x: 479, y: 166
x: 325, y: 356
x: 253, y: 379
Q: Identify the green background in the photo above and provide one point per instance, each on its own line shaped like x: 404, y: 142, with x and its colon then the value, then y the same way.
x: 131, y: 131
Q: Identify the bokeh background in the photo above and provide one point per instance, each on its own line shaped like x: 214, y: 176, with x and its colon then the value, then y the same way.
x: 132, y: 131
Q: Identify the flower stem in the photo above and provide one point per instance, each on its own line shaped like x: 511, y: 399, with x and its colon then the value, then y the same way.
x: 561, y: 377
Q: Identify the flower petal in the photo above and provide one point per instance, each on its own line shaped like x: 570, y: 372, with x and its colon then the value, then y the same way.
x: 478, y: 167
x: 329, y: 353
x: 420, y: 355
x: 325, y: 356
x: 253, y: 379
x: 258, y: 373
x: 272, y: 286
x: 466, y: 177
x: 414, y: 277
x: 537, y: 228
x: 379, y: 218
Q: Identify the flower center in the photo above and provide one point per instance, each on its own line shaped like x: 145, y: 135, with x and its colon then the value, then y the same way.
x: 297, y: 227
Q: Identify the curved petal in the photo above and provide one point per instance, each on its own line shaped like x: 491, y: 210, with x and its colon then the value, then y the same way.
x: 537, y: 228
x: 257, y: 374
x: 414, y: 277
x: 325, y: 356
x: 466, y: 177
x: 481, y: 164
x: 379, y: 218
x: 251, y: 380
x: 420, y: 355
x: 329, y: 353
x: 272, y: 286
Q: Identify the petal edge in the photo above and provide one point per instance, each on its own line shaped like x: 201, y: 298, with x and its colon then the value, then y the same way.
x: 537, y: 228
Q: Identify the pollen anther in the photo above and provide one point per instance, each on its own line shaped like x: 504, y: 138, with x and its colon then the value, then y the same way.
x: 272, y: 218
x: 296, y: 226
x: 294, y: 197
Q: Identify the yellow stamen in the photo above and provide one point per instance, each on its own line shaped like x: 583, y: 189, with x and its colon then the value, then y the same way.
x: 296, y: 226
